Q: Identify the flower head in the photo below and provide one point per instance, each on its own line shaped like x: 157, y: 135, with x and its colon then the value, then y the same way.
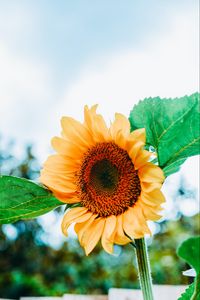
x: 106, y: 172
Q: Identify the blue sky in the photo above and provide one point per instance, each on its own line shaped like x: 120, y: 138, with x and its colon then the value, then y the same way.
x: 49, y: 50
x: 57, y: 56
x: 68, y: 34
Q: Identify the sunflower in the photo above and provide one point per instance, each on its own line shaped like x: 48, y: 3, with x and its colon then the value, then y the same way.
x: 106, y: 176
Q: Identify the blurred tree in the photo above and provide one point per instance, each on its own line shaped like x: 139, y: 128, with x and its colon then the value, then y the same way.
x: 29, y: 267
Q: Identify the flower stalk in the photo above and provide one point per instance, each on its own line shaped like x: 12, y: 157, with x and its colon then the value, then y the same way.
x: 144, y: 269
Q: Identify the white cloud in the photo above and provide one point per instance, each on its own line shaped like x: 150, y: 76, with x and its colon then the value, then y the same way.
x: 25, y: 87
x: 166, y: 67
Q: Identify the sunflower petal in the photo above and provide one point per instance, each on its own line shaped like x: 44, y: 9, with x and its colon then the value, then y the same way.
x: 60, y: 163
x: 76, y: 132
x: 92, y: 235
x: 151, y: 213
x: 64, y: 147
x: 134, y: 223
x: 142, y: 158
x: 120, y: 140
x: 80, y: 228
x: 66, y: 198
x: 88, y: 113
x: 71, y: 217
x: 139, y: 135
x: 81, y: 218
x: 151, y: 173
x: 96, y: 124
x: 108, y: 234
x: 120, y: 237
x: 153, y: 198
x: 57, y: 182
x: 134, y: 149
x: 148, y: 187
x: 141, y: 218
x: 120, y: 124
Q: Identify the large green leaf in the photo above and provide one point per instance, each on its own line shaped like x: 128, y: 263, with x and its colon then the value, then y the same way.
x: 172, y: 128
x: 189, y: 250
x: 23, y: 199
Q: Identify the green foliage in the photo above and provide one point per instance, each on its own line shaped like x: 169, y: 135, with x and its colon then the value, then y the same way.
x: 187, y: 295
x: 189, y: 250
x: 165, y: 265
x: 23, y: 199
x: 172, y: 128
x: 32, y: 268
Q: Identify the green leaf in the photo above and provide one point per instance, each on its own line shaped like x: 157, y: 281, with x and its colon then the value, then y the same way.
x: 23, y: 199
x: 189, y: 250
x: 188, y: 293
x: 172, y: 128
x: 192, y: 292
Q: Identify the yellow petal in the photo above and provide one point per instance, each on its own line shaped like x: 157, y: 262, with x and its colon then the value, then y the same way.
x: 96, y: 125
x: 76, y: 132
x: 141, y: 218
x: 101, y: 128
x: 68, y: 198
x: 81, y: 218
x: 151, y: 173
x: 133, y: 149
x: 139, y: 135
x: 108, y: 234
x: 67, y: 148
x: 143, y: 156
x: 88, y: 115
x: 80, y: 228
x: 57, y: 182
x: 120, y: 124
x: 151, y: 214
x: 134, y: 222
x: 153, y: 198
x: 71, y: 217
x: 148, y: 187
x: 120, y: 140
x: 131, y: 225
x: 60, y: 163
x: 66, y: 178
x: 92, y: 235
x: 120, y: 237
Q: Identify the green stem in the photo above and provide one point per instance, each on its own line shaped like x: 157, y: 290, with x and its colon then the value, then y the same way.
x: 144, y: 269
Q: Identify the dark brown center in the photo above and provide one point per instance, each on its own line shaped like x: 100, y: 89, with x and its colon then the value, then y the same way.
x: 107, y: 182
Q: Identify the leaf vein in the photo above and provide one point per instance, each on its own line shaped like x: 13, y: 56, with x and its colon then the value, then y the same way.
x: 172, y: 124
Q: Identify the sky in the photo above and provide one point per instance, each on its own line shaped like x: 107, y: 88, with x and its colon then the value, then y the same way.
x: 57, y: 56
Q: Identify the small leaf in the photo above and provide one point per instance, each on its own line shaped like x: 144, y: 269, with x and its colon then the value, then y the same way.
x: 189, y: 250
x: 172, y: 128
x: 188, y: 293
x: 23, y: 199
